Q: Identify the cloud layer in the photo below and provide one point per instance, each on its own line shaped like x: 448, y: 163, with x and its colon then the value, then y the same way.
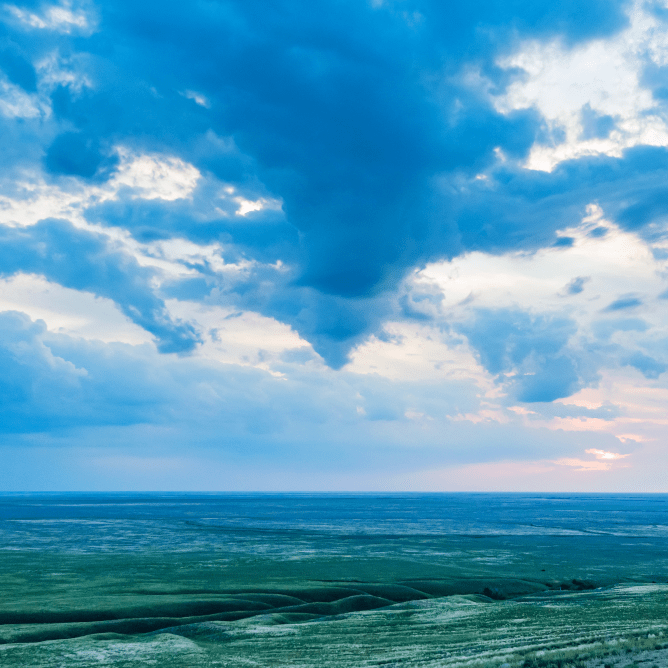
x: 396, y: 219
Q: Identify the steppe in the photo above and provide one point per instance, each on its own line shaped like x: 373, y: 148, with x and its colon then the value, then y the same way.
x: 209, y: 594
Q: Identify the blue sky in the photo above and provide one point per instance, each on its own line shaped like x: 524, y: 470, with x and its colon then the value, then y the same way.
x: 351, y: 245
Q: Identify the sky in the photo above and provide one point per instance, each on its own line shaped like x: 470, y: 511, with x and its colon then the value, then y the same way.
x: 355, y: 245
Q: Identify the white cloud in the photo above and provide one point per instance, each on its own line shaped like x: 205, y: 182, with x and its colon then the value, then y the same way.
x: 603, y: 74
x: 417, y: 353
x: 16, y: 103
x: 60, y: 18
x: 602, y: 454
x: 56, y: 70
x: 642, y: 406
x: 235, y: 337
x: 616, y: 263
x: 34, y: 200
x: 52, y: 70
x: 246, y: 206
x: 155, y: 176
x: 171, y: 254
x: 603, y: 461
x: 197, y: 98
x: 150, y: 176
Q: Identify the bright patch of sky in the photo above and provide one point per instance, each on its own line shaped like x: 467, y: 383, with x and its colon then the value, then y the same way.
x: 154, y: 177
x: 68, y: 311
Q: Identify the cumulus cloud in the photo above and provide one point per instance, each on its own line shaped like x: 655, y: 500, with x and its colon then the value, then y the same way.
x: 38, y: 389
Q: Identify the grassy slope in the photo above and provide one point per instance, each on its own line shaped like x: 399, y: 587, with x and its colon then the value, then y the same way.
x: 569, y: 628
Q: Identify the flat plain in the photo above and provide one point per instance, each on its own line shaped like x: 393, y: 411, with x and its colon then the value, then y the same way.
x: 334, y: 580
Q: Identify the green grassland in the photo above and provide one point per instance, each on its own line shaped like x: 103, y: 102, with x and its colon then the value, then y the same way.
x: 620, y: 626
x: 416, y: 601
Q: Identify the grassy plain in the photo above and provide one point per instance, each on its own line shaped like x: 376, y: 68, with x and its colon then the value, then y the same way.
x: 356, y: 601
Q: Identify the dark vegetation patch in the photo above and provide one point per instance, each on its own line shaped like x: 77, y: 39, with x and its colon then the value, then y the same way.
x: 498, y: 589
x: 147, y: 610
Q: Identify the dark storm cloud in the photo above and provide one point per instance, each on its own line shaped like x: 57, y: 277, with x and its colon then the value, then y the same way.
x: 354, y: 115
x: 76, y: 154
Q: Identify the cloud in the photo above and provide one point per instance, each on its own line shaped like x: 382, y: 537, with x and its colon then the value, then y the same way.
x: 603, y: 461
x: 371, y: 145
x: 595, y: 125
x: 37, y: 388
x: 582, y: 464
x: 649, y: 367
x: 533, y: 348
x: 623, y: 303
x: 576, y: 285
x: 154, y: 177
x: 60, y: 387
x: 389, y: 236
x: 59, y: 18
x: 381, y: 153
x: 75, y: 154
x: 606, y: 412
x: 604, y: 329
x: 86, y: 261
x: 602, y: 454
x: 536, y: 345
x: 592, y: 93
